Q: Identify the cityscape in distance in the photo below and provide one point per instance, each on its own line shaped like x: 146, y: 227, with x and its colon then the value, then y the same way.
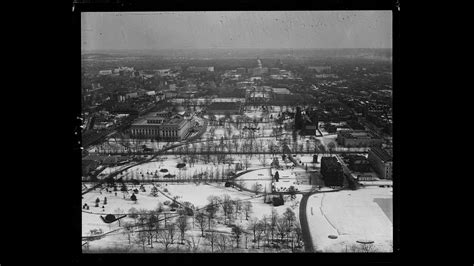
x: 237, y: 132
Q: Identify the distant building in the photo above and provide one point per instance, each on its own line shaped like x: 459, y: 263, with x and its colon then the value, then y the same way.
x: 163, y: 72
x: 331, y: 170
x: 319, y: 68
x: 259, y: 71
x: 224, y: 108
x: 381, y: 161
x: 359, y: 164
x: 281, y: 91
x: 358, y: 138
x: 105, y: 72
x: 170, y: 129
x: 170, y: 94
x: 131, y: 95
x: 102, y: 125
x: 274, y: 71
x: 200, y: 69
x: 241, y: 70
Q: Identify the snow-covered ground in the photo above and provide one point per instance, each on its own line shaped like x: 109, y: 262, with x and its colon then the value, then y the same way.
x: 196, y: 194
x: 360, y: 215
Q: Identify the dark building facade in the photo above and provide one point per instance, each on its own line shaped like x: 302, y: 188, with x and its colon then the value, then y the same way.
x: 359, y: 164
x: 331, y: 170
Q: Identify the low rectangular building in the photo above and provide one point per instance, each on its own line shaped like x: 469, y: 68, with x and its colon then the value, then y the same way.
x: 284, y: 91
x: 381, y: 161
x: 222, y: 108
x: 358, y: 138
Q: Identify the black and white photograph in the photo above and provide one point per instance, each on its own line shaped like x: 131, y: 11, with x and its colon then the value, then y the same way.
x: 237, y: 131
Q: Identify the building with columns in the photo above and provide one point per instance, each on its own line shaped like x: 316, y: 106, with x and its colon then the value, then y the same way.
x: 162, y: 128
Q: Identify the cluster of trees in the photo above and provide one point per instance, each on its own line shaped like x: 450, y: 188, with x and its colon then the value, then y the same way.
x: 277, y: 231
x: 157, y: 226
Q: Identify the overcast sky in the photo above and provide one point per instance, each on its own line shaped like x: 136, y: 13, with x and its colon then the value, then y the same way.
x: 246, y: 29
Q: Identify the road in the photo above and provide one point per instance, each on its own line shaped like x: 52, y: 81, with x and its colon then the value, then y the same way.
x: 308, y: 242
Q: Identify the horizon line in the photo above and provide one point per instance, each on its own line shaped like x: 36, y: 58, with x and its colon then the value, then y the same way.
x: 228, y: 48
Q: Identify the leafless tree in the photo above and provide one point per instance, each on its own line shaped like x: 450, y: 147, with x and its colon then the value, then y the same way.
x: 273, y: 221
x: 238, y: 207
x: 247, y: 208
x: 128, y: 226
x: 222, y: 242
x: 193, y: 243
x: 289, y: 216
x: 142, y: 239
x: 167, y: 236
x: 227, y: 206
x: 183, y: 226
x: 282, y: 228
x: 362, y: 248
x: 211, y: 237
x: 259, y: 231
x: 246, y: 162
x: 211, y: 210
x: 253, y: 227
x: 298, y: 234
x: 237, y: 233
x: 201, y: 221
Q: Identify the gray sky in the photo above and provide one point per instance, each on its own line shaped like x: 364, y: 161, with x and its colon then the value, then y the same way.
x: 245, y: 29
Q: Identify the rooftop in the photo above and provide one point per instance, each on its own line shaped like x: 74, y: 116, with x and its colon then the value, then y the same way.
x: 384, y: 154
x: 355, y: 134
x: 330, y: 161
x: 224, y: 106
x: 281, y: 90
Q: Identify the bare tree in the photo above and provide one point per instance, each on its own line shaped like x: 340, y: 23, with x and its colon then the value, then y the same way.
x: 212, y: 208
x: 222, y: 242
x: 183, y: 226
x: 362, y: 248
x: 237, y: 232
x: 282, y: 228
x: 142, y: 239
x: 253, y: 227
x: 227, y: 206
x: 193, y: 243
x: 247, y: 208
x: 289, y: 216
x: 298, y: 234
x: 128, y: 226
x: 246, y: 162
x: 211, y: 237
x: 273, y: 221
x: 166, y: 236
x: 201, y: 221
x: 238, y: 207
x: 259, y: 231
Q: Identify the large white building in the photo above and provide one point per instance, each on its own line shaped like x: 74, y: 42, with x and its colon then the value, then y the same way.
x: 154, y: 126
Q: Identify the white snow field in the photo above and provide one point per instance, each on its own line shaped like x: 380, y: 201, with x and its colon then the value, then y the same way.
x: 360, y: 215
